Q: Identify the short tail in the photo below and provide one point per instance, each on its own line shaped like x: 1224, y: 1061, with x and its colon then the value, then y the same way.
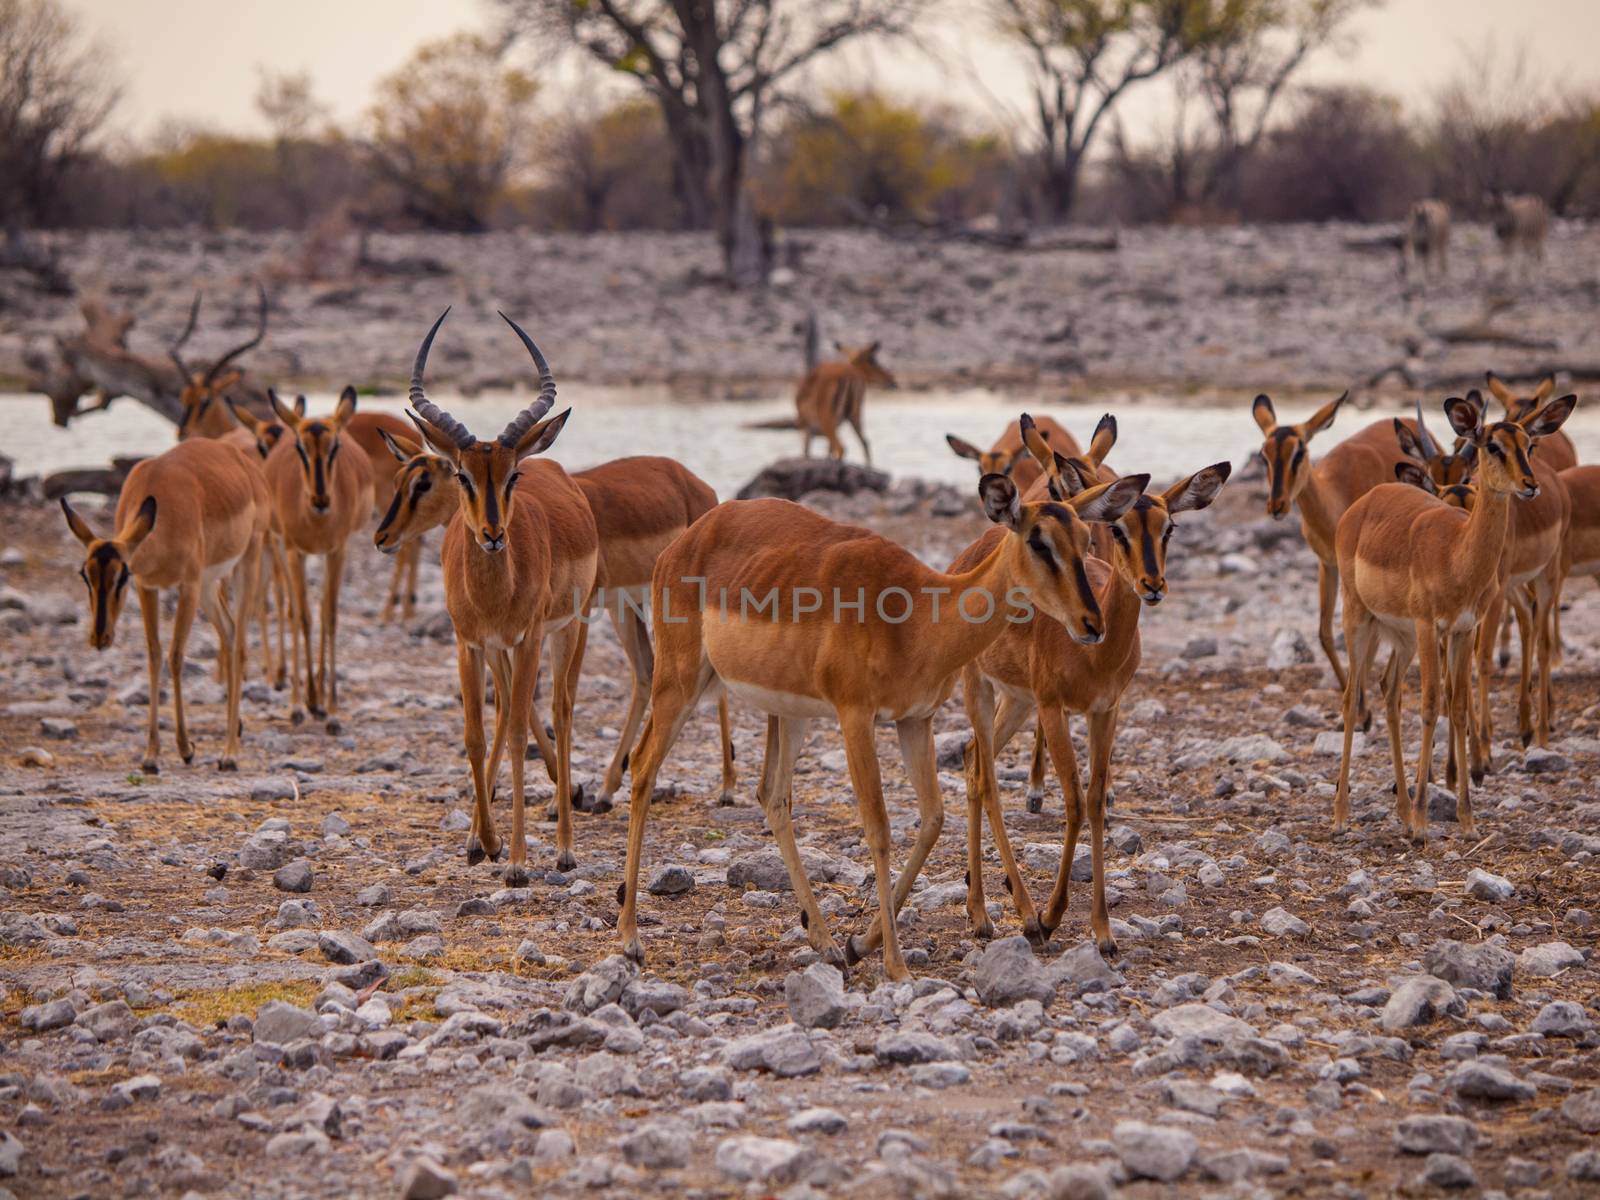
x: 813, y: 340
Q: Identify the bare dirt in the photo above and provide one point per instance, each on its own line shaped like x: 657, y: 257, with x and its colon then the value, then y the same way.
x: 129, y: 889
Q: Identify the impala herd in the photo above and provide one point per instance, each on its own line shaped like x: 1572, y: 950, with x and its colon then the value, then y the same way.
x: 799, y: 617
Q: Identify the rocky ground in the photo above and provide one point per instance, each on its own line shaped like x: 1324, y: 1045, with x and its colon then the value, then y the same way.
x: 1274, y: 307
x: 288, y: 982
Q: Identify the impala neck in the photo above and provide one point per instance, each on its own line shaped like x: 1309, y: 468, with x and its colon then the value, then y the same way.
x: 958, y: 638
x: 1317, y: 510
x: 1477, y: 554
x: 1121, y: 607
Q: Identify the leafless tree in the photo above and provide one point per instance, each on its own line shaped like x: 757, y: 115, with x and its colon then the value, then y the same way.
x: 56, y: 91
x: 1083, y: 55
x: 715, y: 67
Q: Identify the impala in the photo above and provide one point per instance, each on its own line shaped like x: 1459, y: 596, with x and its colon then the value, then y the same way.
x: 741, y: 602
x: 1581, y: 556
x: 834, y: 393
x: 518, y: 565
x: 1009, y: 455
x: 369, y: 430
x: 1323, y: 493
x: 1038, y: 667
x: 640, y: 506
x: 1557, y: 450
x: 185, y: 520
x: 1413, y: 570
x: 322, y: 498
x: 203, y: 415
x: 1521, y: 223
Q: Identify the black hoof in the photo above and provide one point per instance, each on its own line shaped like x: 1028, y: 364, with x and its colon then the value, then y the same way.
x: 515, y: 876
x: 475, y: 854
x: 725, y: 800
x: 852, y: 953
x: 531, y: 754
x: 1034, y: 931
x: 580, y: 801
x: 227, y: 764
x: 1526, y: 739
x: 550, y: 813
x: 1035, y: 803
x: 1108, y: 949
x: 297, y: 717
x: 601, y: 806
x: 279, y: 684
x: 634, y: 952
x: 150, y: 767
x: 1365, y: 723
x: 566, y: 860
x: 333, y: 726
x: 1477, y: 776
x: 188, y: 758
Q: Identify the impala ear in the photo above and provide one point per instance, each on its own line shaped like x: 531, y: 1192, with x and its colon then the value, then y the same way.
x: 962, y: 448
x: 244, y: 416
x: 80, y: 527
x: 1466, y: 416
x: 543, y: 435
x: 1266, y: 417
x: 1105, y: 437
x: 1409, y: 472
x: 1499, y: 390
x: 289, y: 417
x: 403, y: 449
x: 1034, y: 441
x: 225, y: 381
x: 435, y: 438
x: 1323, y: 417
x: 1550, y: 418
x: 139, y: 528
x: 1199, y: 490
x: 1065, y: 478
x: 1106, y: 502
x: 1001, y: 503
x: 1546, y: 386
x: 346, y: 407
x: 1410, y: 446
x: 300, y: 404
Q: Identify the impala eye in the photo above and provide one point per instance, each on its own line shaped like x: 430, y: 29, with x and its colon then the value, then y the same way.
x: 511, y: 480
x: 1122, y: 538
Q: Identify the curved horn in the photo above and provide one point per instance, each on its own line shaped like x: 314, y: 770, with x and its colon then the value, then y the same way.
x: 172, y: 350
x: 427, y: 409
x: 523, y: 421
x: 1430, y: 448
x: 261, y: 332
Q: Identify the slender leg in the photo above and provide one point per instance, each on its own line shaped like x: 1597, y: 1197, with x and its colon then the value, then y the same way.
x: 1460, y: 665
x: 1545, y: 610
x: 1036, y: 774
x: 789, y: 735
x: 635, y: 640
x: 414, y: 564
x: 1393, y: 694
x: 673, y: 693
x: 481, y: 840
x: 1005, y: 722
x: 1058, y: 740
x: 547, y: 748
x: 1505, y: 642
x: 978, y: 696
x: 188, y: 599
x: 330, y: 634
x: 566, y: 658
x: 1327, y: 593
x: 1360, y: 630
x: 1527, y: 618
x: 305, y: 687
x: 855, y: 423
x: 917, y: 753
x: 768, y: 785
x: 862, y: 753
x: 500, y: 670
x: 248, y: 580
x: 730, y: 777
x: 263, y: 572
x: 1428, y: 652
x: 150, y: 610
x: 284, y: 610
x: 1102, y: 739
x: 524, y: 668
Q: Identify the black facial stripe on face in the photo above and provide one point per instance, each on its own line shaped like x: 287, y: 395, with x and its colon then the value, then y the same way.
x: 1147, y: 548
x: 1085, y: 592
x: 1039, y: 546
x: 1060, y: 512
x: 394, y: 510
x: 491, y: 500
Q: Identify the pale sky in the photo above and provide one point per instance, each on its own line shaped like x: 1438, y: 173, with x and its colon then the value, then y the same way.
x: 197, y: 60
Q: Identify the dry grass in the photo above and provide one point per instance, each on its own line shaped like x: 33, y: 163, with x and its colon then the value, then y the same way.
x: 214, y: 1007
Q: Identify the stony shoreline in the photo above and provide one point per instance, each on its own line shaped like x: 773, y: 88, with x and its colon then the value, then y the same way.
x: 1269, y: 308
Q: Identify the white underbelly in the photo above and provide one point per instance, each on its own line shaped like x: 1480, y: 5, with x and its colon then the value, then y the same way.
x: 1586, y: 568
x: 498, y: 646
x: 217, y: 571
x: 779, y: 704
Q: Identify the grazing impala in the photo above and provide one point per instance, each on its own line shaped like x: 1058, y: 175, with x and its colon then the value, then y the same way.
x: 1038, y: 667
x: 640, y: 506
x: 186, y: 519
x: 834, y: 393
x: 1521, y: 223
x: 1323, y: 493
x: 1414, y: 571
x: 1009, y: 456
x: 519, y: 564
x: 203, y: 413
x: 322, y: 498
x: 882, y: 648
